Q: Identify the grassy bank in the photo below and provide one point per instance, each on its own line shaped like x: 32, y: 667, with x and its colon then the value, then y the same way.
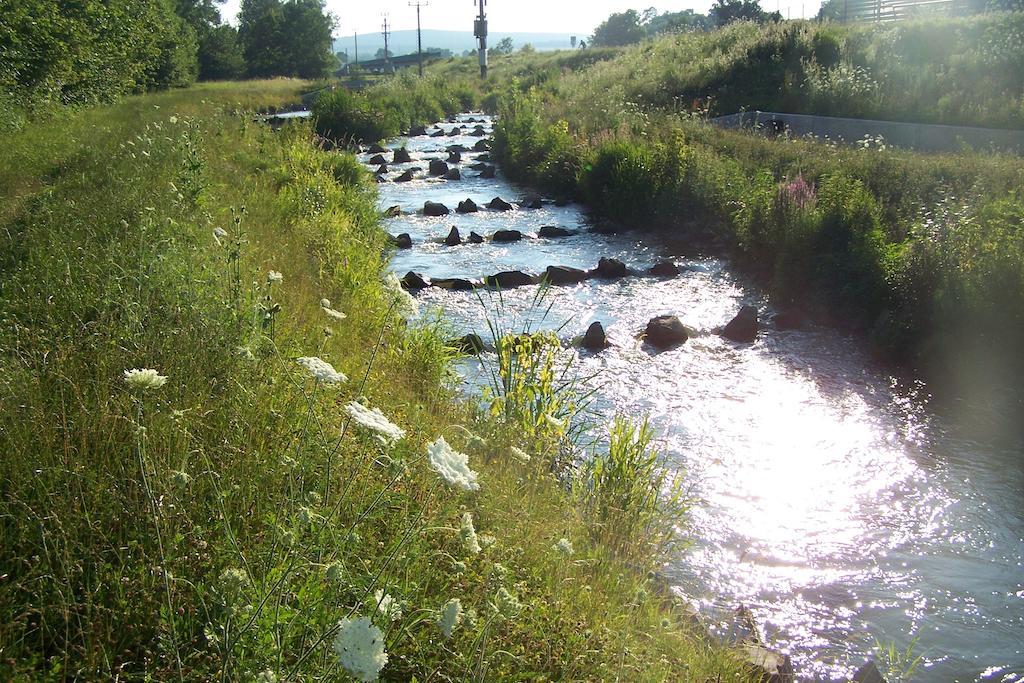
x: 222, y: 524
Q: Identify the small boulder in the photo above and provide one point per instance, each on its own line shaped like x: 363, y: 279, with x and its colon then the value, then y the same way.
x: 509, y: 279
x: 379, y: 178
x: 499, y: 204
x: 868, y: 673
x: 382, y: 169
x: 402, y: 156
x: 454, y: 157
x: 666, y: 331
x: 507, y: 236
x: 474, y: 238
x: 454, y: 238
x: 377, y: 160
x: 438, y: 134
x: 478, y: 132
x: 460, y: 149
x: 414, y: 281
x: 471, y: 344
x: 417, y: 131
x: 435, y: 209
x: 549, y: 231
x: 664, y: 269
x: 478, y: 167
x: 393, y: 211
x: 437, y: 167
x: 743, y: 328
x: 767, y: 665
x: 483, y: 157
x: 562, y: 201
x: 488, y: 173
x: 453, y: 174
x: 456, y: 131
x: 532, y: 201
x: 456, y: 284
x: 565, y: 275
x: 595, y: 339
x: 406, y: 177
x: 404, y: 241
x: 482, y: 146
x: 789, y: 319
x: 610, y: 269
x: 377, y: 148
x: 467, y: 206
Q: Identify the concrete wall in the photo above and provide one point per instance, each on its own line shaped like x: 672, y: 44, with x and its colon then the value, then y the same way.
x: 925, y: 137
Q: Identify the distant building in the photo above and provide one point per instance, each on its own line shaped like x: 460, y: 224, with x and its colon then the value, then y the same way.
x: 392, y: 64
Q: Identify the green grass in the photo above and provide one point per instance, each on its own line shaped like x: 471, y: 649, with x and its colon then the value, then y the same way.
x: 221, y: 525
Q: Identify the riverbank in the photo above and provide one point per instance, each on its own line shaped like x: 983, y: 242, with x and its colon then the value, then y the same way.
x: 223, y: 521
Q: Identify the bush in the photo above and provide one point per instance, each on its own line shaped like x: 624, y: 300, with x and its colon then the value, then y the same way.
x: 343, y: 116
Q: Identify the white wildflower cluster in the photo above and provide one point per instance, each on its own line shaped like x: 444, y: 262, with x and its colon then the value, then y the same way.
x: 564, y: 546
x: 388, y: 607
x: 219, y: 234
x: 144, y: 378
x: 322, y: 370
x: 554, y: 422
x: 452, y: 465
x: 405, y: 305
x: 233, y: 582
x: 450, y: 617
x: 267, y: 676
x: 360, y: 648
x: 467, y: 534
x: 507, y: 604
x: 375, y: 421
x: 274, y: 277
x: 519, y: 454
x: 325, y: 306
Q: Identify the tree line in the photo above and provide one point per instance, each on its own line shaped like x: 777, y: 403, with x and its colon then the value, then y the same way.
x: 626, y: 28
x: 92, y: 51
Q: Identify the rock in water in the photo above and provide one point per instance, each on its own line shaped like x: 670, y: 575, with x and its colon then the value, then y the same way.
x: 454, y: 157
x: 610, y: 269
x: 403, y: 241
x: 474, y: 238
x: 482, y: 146
x: 509, y: 279
x: 406, y: 177
x: 417, y: 131
x: 435, y: 209
x: 378, y: 160
x: 565, y: 275
x: 666, y: 331
x: 453, y: 238
x: 377, y: 148
x: 468, y: 206
x: 471, y: 344
x: 664, y: 269
x: 453, y: 174
x: 532, y: 201
x: 770, y: 666
x: 437, y: 167
x: 402, y: 156
x: 743, y: 328
x: 553, y: 231
x: 868, y: 673
x: 414, y: 281
x: 507, y: 236
x: 595, y: 338
x: 455, y: 284
x: 382, y: 169
x: 393, y: 211
x: 487, y: 173
x: 499, y: 204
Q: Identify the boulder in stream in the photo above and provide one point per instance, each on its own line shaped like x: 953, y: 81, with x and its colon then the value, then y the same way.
x: 467, y: 206
x: 402, y: 156
x: 743, y: 328
x: 475, y: 238
x: 454, y: 238
x: 666, y: 331
x: 769, y: 666
x: 417, y: 130
x: 458, y: 149
x: 377, y: 160
x: 488, y: 173
x: 549, y: 231
x: 454, y: 157
x: 438, y: 134
x: 499, y: 204
x: 610, y: 269
x: 377, y: 148
x: 507, y: 236
x: 455, y: 284
x: 453, y: 174
x: 406, y: 177
x: 595, y: 339
x: 478, y: 132
x: 455, y: 132
x: 482, y: 146
x: 531, y: 201
x: 471, y: 344
x: 565, y: 275
x: 508, y: 279
x: 437, y: 167
x: 382, y: 169
x: 664, y: 269
x: 404, y: 241
x: 435, y: 209
x: 868, y: 673
x: 414, y: 281
x: 392, y: 211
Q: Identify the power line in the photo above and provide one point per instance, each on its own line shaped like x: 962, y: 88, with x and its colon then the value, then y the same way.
x: 419, y: 35
x: 387, y: 35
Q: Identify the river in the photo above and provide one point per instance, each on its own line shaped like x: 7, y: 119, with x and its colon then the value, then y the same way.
x: 834, y: 500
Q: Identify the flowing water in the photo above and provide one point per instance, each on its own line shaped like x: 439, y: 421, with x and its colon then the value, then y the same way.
x: 834, y: 502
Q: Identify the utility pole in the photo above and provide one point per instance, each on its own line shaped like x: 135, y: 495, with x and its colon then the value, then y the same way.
x: 419, y: 35
x: 387, y: 34
x: 480, y: 31
x: 355, y: 39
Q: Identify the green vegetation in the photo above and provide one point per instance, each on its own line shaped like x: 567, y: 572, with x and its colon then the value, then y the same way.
x: 220, y: 525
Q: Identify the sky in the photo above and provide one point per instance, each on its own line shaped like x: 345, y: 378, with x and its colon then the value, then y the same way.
x: 535, y: 16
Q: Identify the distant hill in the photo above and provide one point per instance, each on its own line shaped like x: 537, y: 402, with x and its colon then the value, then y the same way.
x: 404, y: 42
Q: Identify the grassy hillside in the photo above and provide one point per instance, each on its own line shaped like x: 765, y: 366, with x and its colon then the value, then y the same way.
x: 232, y: 521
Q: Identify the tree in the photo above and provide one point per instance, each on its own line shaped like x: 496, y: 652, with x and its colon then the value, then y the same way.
x: 727, y: 11
x: 622, y: 28
x: 504, y: 47
x: 286, y: 38
x: 383, y: 54
x: 220, y: 55
x: 678, y: 22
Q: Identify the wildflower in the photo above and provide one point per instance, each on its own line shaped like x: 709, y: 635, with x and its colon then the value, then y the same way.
x: 173, y: 120
x: 665, y: 623
x: 219, y: 234
x: 554, y: 422
x: 564, y: 546
x: 180, y: 479
x: 322, y: 370
x: 289, y: 462
x: 375, y: 421
x: 232, y: 583
x: 274, y: 276
x: 451, y: 615
x: 245, y: 352
x: 325, y: 304
x: 388, y: 606
x: 459, y: 567
x: 499, y: 571
x: 360, y: 648
x: 476, y: 443
x: 519, y: 454
x: 403, y: 302
x: 452, y: 465
x: 507, y: 604
x: 486, y: 540
x: 307, y: 516
x: 467, y: 534
x: 144, y: 378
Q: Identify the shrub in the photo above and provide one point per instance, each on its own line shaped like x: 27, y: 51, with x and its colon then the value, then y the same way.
x: 340, y: 115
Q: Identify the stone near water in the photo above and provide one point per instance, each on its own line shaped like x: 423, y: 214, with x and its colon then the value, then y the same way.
x: 664, y: 269
x: 379, y: 178
x: 453, y: 174
x: 453, y: 238
x: 549, y: 231
x: 382, y: 169
x: 435, y: 209
x: 499, y: 204
x: 474, y: 238
x: 406, y: 177
x: 437, y: 167
x: 610, y: 269
x: 470, y: 344
x: 467, y: 206
x: 507, y: 236
x: 565, y: 275
x: 478, y: 167
x: 868, y: 673
x: 488, y: 173
x: 509, y: 279
x: 455, y: 132
x: 595, y: 339
x: 455, y: 284
x: 402, y: 156
x: 478, y: 132
x: 378, y: 160
x: 769, y: 666
x: 483, y: 157
x: 454, y: 157
x: 743, y: 328
x: 532, y: 201
x: 482, y: 146
x: 461, y: 149
x: 404, y: 241
x: 438, y: 134
x: 414, y: 281
x: 666, y: 331
x: 393, y: 211
x: 789, y: 319
x: 377, y: 148
x: 417, y: 131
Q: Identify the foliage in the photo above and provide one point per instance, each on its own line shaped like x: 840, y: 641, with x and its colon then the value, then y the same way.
x: 622, y: 28
x: 341, y: 115
x: 503, y: 47
x: 220, y: 55
x: 286, y: 38
x: 725, y: 12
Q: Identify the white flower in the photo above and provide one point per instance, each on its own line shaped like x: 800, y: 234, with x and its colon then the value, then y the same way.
x: 387, y: 606
x: 322, y: 370
x: 486, y: 540
x: 267, y: 676
x: 325, y: 304
x: 451, y: 616
x: 554, y: 422
x: 519, y: 454
x: 507, y: 604
x: 405, y: 305
x: 144, y: 378
x: 360, y: 648
x: 219, y: 234
x: 374, y: 420
x: 452, y: 465
x: 173, y: 120
x: 467, y: 534
x: 274, y: 276
x: 564, y: 546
